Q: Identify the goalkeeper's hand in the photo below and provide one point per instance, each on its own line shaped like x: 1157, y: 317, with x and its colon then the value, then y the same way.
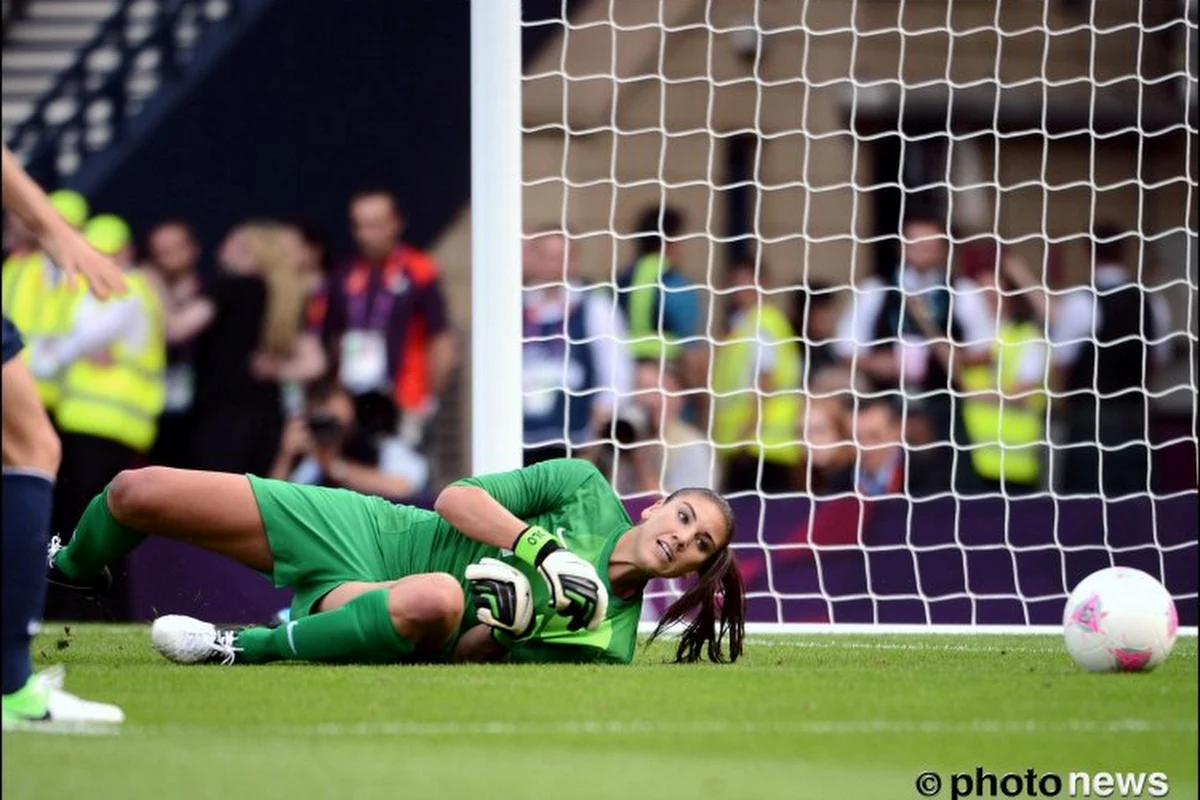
x: 576, y: 590
x: 502, y: 596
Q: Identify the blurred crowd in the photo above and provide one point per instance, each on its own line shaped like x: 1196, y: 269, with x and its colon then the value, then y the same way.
x: 938, y: 375
x: 264, y: 354
x: 266, y: 358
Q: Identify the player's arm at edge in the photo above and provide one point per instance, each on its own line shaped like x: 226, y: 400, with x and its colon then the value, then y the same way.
x: 23, y: 197
x: 65, y: 245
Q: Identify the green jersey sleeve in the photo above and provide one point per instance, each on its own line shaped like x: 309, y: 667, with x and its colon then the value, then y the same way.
x: 538, y: 489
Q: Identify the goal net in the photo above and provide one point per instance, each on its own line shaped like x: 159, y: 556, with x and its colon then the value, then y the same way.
x: 912, y: 281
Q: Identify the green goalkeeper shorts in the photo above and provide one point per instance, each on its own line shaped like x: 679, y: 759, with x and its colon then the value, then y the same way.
x: 321, y: 538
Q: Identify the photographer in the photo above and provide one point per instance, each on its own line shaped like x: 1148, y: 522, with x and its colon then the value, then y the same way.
x: 342, y: 443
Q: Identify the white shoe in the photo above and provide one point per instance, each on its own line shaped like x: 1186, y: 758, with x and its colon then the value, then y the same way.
x: 53, y: 548
x: 66, y: 707
x: 186, y: 640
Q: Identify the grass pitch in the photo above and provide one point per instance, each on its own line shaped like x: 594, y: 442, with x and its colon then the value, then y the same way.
x: 814, y: 717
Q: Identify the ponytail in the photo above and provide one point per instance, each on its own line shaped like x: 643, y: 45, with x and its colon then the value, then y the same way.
x: 718, y: 598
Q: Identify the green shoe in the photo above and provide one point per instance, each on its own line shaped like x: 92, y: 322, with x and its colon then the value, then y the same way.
x: 30, y: 703
x: 42, y: 701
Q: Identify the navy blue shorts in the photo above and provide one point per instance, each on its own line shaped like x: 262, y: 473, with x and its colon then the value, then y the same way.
x: 12, y: 340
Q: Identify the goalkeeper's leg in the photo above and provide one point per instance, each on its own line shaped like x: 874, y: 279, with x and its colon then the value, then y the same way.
x: 215, y: 511
x: 413, y: 618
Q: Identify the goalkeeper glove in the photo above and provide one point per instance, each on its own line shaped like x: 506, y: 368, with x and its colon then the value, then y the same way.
x: 576, y: 591
x: 502, y: 596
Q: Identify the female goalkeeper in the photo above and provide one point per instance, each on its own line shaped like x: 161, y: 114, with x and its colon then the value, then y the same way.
x: 376, y: 582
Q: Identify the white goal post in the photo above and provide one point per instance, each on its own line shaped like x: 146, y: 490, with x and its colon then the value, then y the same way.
x: 799, y: 137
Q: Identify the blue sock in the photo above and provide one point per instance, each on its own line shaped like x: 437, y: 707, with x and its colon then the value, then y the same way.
x: 27, y: 501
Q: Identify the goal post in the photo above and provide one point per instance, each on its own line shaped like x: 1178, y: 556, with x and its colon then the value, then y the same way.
x: 799, y: 137
x: 495, y: 324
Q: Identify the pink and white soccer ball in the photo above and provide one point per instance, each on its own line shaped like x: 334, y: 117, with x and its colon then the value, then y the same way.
x: 1120, y: 619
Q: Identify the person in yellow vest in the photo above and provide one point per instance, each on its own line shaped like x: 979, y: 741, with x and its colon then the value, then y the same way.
x: 662, y: 306
x: 38, y: 297
x: 112, y: 364
x: 1004, y: 399
x: 756, y: 391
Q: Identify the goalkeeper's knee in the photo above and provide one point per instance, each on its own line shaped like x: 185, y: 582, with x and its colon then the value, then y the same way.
x: 427, y: 609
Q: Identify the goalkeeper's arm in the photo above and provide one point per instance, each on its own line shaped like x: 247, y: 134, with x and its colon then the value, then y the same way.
x: 576, y: 590
x: 479, y: 516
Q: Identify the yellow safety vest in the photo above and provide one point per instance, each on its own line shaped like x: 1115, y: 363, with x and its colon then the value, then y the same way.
x: 737, y: 400
x: 120, y: 401
x: 1006, y: 436
x: 39, y: 304
x: 648, y: 339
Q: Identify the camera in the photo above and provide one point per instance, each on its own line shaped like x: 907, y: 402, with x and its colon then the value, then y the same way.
x: 325, y: 429
x: 631, y: 425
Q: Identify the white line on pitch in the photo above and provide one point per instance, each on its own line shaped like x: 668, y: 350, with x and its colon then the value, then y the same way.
x: 66, y: 728
x: 811, y: 727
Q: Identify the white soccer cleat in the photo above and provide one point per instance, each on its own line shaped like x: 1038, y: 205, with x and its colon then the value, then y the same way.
x: 187, y: 640
x: 66, y: 707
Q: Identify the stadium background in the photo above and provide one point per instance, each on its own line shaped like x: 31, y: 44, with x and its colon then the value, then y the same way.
x: 247, y: 126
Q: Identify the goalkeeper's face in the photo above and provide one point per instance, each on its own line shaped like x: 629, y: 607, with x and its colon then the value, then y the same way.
x: 678, y: 535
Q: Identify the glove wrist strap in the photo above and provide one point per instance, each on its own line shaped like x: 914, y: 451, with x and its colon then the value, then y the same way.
x: 504, y: 639
x: 534, y: 544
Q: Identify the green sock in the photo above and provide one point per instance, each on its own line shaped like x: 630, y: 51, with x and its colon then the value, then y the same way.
x: 98, y: 541
x: 360, y: 632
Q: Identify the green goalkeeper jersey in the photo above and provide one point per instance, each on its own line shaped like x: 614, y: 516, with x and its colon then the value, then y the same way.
x: 571, y: 499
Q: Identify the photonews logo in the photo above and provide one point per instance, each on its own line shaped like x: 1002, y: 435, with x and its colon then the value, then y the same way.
x: 1031, y: 783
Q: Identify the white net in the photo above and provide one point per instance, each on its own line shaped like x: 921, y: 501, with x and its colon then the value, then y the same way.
x: 912, y: 280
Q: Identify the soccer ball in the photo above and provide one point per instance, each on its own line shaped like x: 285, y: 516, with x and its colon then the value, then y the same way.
x: 1119, y: 620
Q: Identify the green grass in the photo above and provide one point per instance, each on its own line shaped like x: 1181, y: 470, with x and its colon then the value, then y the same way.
x: 814, y: 717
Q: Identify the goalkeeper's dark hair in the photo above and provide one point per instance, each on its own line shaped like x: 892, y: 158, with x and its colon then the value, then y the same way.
x: 715, y: 605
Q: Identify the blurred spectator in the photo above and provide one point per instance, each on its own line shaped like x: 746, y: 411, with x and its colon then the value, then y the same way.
x: 295, y: 269
x: 315, y: 245
x: 384, y: 320
x: 1103, y: 358
x: 112, y: 361
x: 673, y: 454
x: 839, y: 382
x: 756, y: 385
x: 36, y: 295
x: 828, y: 440
x: 173, y: 261
x: 575, y: 363
x: 661, y: 305
x: 1004, y: 410
x: 327, y: 446
x: 259, y: 296
x: 880, y: 337
x: 815, y: 321
x: 881, y: 458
